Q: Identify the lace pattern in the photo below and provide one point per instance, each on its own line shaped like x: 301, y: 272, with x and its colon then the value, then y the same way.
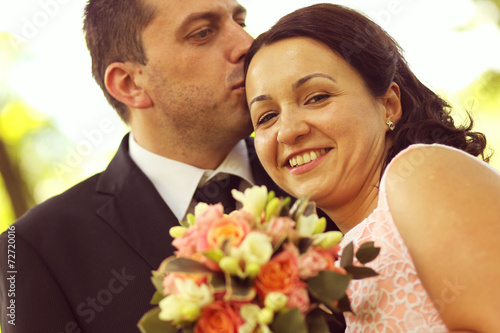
x: 395, y: 301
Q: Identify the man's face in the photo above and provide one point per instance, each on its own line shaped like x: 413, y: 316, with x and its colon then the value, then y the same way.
x: 194, y: 73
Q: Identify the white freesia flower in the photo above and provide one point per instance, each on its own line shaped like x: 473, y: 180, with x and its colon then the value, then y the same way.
x: 254, y: 199
x: 306, y: 225
x: 171, y: 307
x: 249, y: 313
x: 187, y: 304
x: 256, y: 319
x: 275, y: 301
x: 256, y: 248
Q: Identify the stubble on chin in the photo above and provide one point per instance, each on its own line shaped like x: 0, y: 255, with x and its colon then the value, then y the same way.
x: 197, y: 122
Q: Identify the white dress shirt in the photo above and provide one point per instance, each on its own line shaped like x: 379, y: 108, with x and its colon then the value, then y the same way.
x: 176, y: 182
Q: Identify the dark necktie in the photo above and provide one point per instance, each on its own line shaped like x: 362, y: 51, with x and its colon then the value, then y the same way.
x: 219, y: 191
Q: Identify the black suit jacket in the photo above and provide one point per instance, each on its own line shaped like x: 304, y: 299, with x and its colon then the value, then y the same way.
x: 83, y: 259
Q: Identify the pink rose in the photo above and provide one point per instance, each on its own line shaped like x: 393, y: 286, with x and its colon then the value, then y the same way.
x: 219, y: 317
x: 278, y: 228
x: 243, y: 215
x: 186, y: 244
x: 299, y: 298
x: 209, y: 216
x: 314, y: 261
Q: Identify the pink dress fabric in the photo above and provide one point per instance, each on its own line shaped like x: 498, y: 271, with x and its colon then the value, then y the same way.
x: 395, y: 301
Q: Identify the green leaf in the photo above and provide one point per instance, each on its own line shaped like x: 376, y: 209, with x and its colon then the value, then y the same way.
x: 150, y: 323
x: 299, y: 207
x: 367, y: 252
x: 316, y: 322
x: 184, y: 265
x: 218, y: 282
x: 347, y: 255
x: 290, y: 321
x: 360, y: 272
x: 336, y: 319
x: 344, y: 304
x: 304, y: 244
x: 310, y: 209
x: 157, y: 297
x: 240, y: 289
x: 157, y: 280
x: 328, y: 286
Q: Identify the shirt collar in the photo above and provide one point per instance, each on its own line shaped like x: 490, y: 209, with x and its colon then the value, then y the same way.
x: 176, y: 182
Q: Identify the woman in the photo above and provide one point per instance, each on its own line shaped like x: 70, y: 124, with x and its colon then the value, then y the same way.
x: 339, y: 116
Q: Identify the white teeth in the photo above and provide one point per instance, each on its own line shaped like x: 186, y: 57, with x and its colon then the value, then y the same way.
x: 306, y: 157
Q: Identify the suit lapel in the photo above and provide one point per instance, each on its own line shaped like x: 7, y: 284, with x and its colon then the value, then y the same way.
x: 135, y: 210
x: 139, y: 215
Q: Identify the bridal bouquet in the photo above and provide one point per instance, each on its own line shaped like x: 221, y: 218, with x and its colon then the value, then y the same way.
x: 267, y: 267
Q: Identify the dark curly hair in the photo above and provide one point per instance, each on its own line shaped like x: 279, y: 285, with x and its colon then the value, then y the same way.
x: 378, y: 58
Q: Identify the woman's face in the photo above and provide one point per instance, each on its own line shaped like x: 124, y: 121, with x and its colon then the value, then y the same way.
x: 318, y: 130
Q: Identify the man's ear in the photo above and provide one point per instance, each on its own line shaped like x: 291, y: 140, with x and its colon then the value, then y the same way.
x: 121, y: 82
x: 392, y: 103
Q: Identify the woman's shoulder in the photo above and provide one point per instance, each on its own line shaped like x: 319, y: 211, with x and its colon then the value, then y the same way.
x: 427, y: 187
x: 431, y: 189
x: 434, y: 165
x: 445, y: 205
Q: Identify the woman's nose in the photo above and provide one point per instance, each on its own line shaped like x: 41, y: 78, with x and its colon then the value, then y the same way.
x: 292, y: 128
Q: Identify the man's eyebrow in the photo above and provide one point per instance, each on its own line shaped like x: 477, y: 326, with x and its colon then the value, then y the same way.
x: 197, y: 16
x: 207, y: 15
x: 239, y: 10
x: 261, y: 98
x: 306, y: 78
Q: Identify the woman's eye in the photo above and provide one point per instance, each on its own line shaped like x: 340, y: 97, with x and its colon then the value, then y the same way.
x: 317, y: 98
x: 265, y: 118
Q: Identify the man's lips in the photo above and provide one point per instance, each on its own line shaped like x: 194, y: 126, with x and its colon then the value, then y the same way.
x: 239, y: 85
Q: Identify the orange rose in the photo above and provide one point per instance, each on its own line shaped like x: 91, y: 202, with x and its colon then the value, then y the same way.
x: 219, y: 317
x: 226, y: 228
x: 280, y: 274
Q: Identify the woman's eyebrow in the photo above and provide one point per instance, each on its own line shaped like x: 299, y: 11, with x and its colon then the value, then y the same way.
x: 306, y: 78
x: 260, y: 98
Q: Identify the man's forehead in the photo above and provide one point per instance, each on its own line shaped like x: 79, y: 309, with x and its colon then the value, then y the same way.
x: 178, y: 11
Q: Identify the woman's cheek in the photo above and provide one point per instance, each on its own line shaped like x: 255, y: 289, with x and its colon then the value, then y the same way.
x: 266, y: 148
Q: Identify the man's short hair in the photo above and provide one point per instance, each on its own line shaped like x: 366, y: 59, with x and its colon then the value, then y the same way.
x: 113, y: 31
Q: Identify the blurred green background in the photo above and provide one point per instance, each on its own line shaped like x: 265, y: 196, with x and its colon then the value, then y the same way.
x: 41, y: 155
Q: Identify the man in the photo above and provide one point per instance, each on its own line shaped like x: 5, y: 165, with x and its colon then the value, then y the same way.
x: 173, y: 70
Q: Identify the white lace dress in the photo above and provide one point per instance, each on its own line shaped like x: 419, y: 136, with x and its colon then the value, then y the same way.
x: 395, y: 301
